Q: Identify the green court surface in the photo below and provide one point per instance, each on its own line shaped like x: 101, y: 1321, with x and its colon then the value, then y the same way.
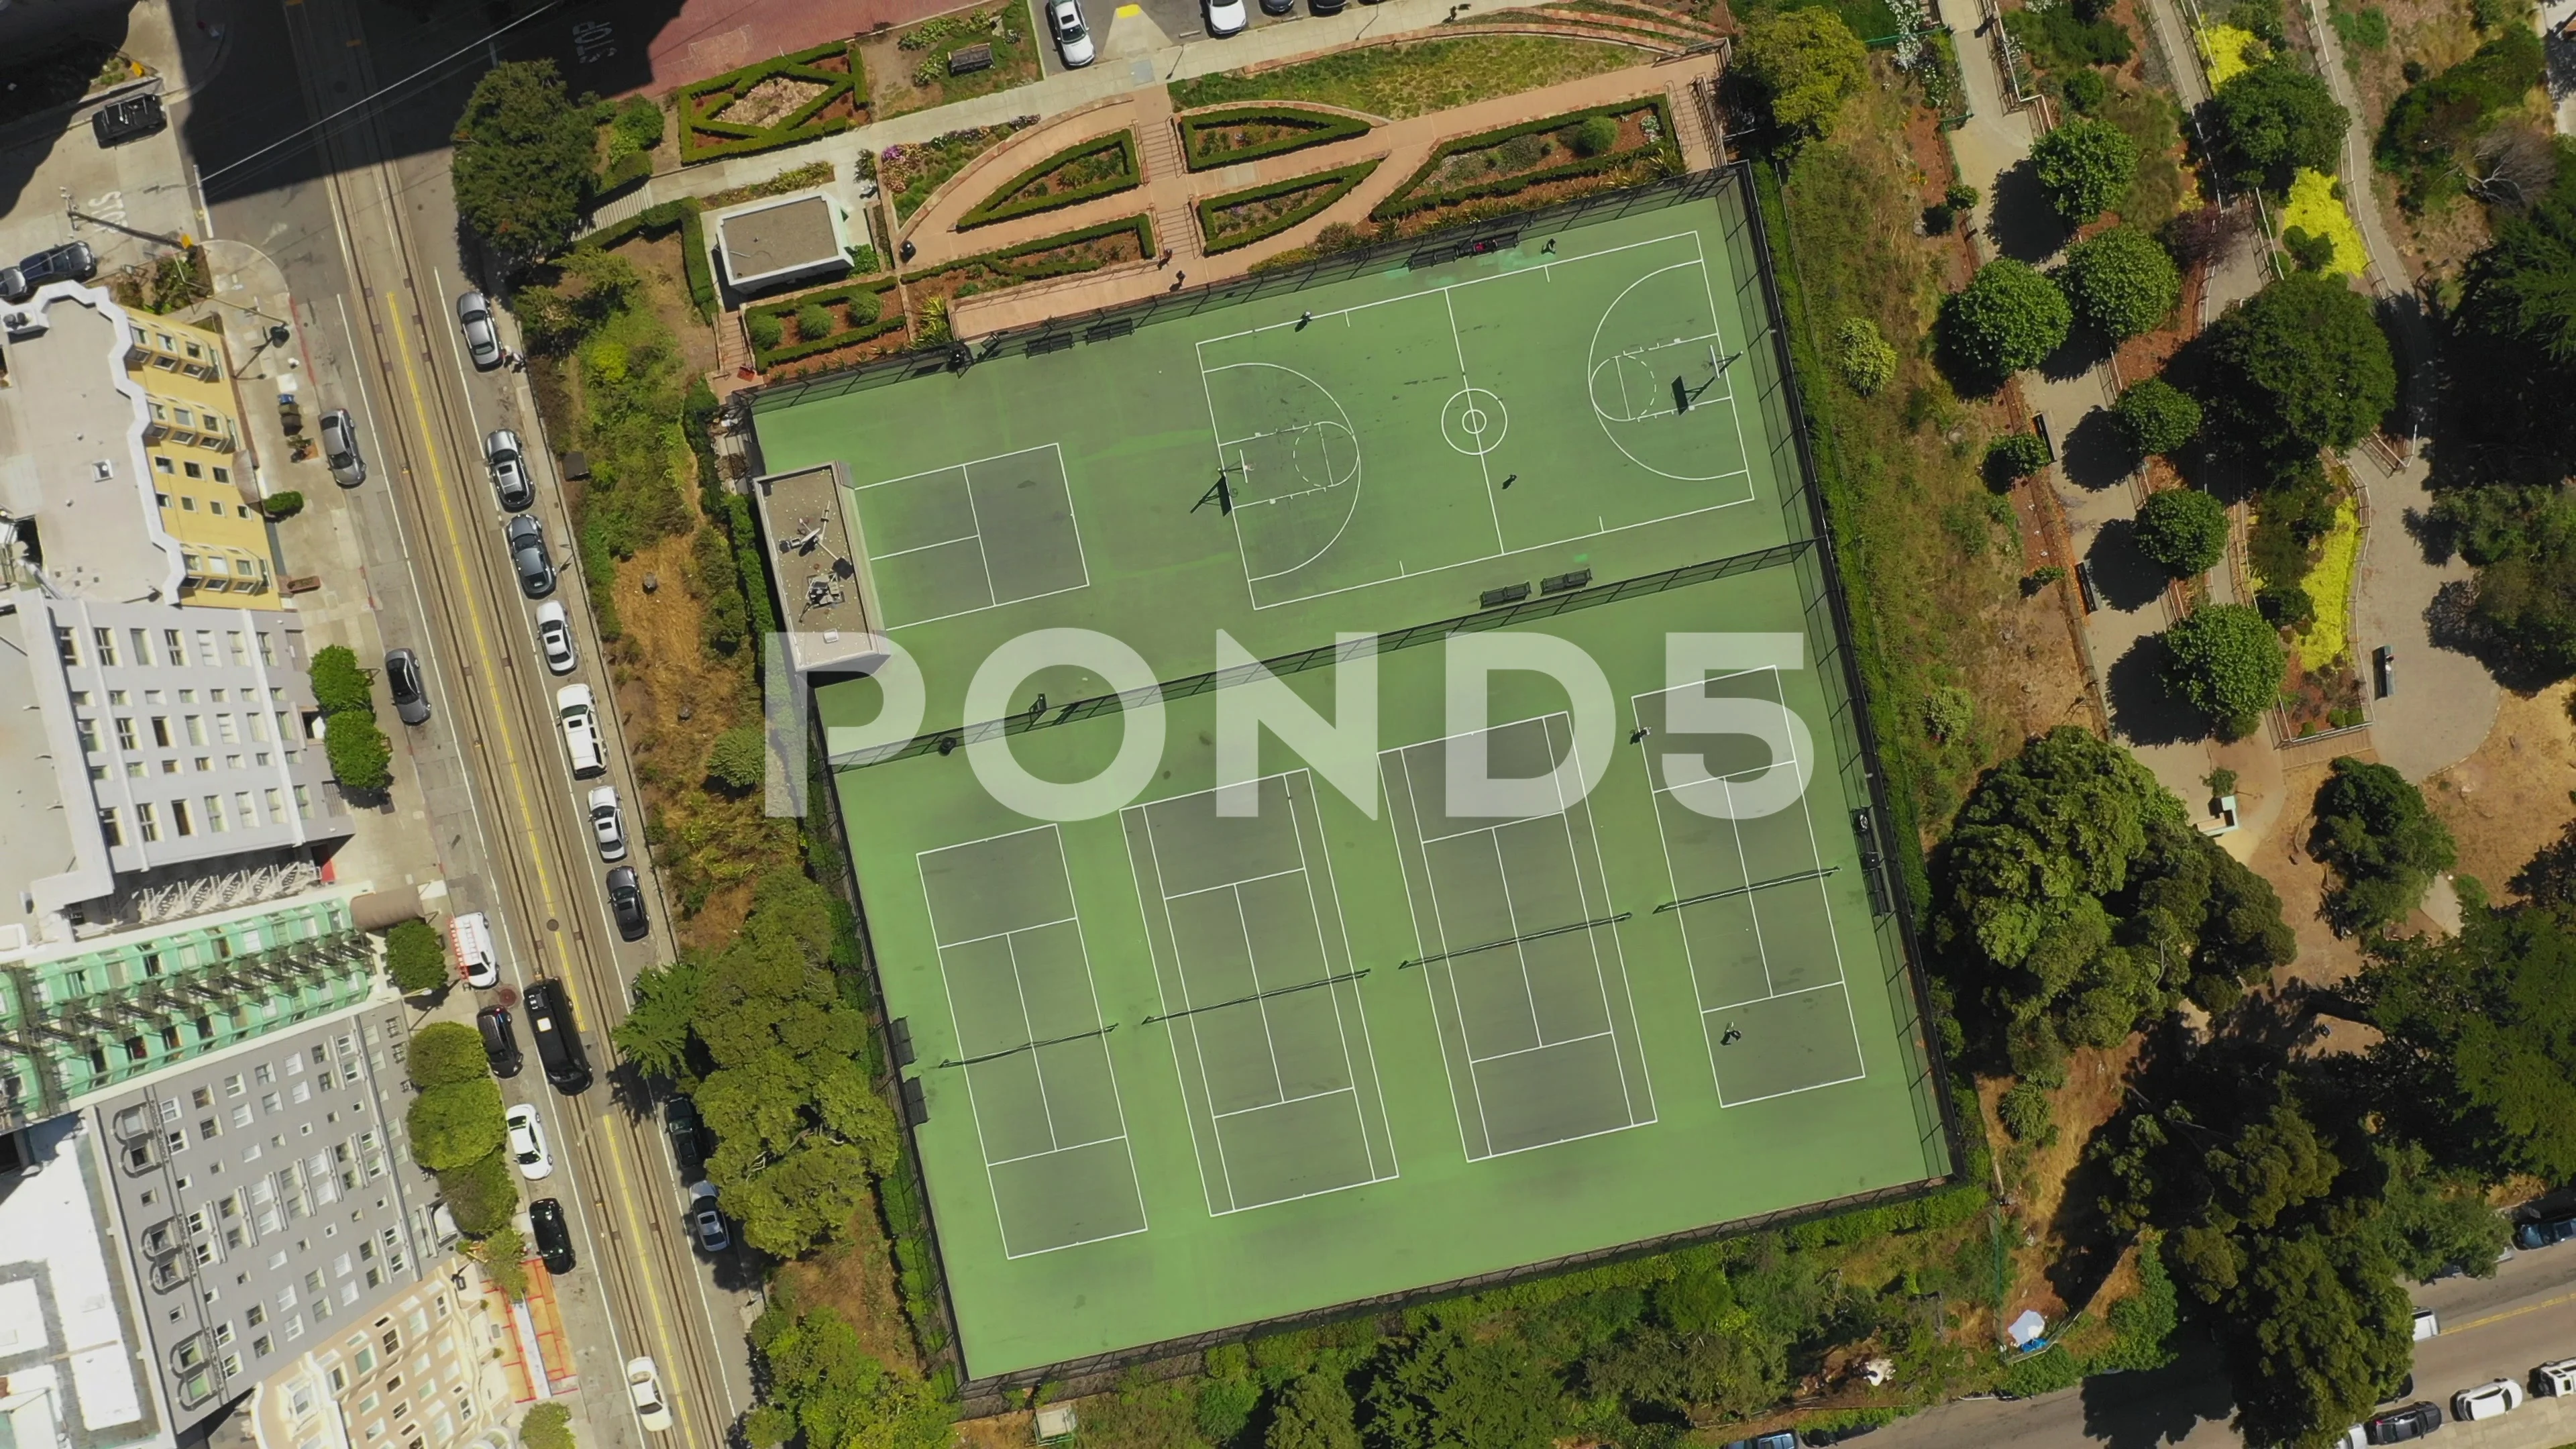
x: 1348, y: 1027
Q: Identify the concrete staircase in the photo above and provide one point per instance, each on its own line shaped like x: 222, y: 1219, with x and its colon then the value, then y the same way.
x: 1167, y: 186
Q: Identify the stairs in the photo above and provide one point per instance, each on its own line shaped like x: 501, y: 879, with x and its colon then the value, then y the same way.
x: 733, y: 345
x: 1158, y: 151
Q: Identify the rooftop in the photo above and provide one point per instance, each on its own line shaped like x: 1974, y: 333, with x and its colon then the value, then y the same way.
x: 818, y: 582
x: 71, y: 451
x: 773, y: 240
x: 65, y: 1324
x: 35, y: 836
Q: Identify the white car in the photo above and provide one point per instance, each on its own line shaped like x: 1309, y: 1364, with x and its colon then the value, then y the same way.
x: 528, y: 1143
x: 2426, y: 1324
x: 2556, y: 1379
x: 554, y: 637
x: 1072, y: 37
x: 2487, y: 1401
x: 1226, y: 17
x: 608, y: 823
x: 644, y: 1386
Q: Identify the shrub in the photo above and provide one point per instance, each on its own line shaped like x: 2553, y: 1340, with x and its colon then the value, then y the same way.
x: 1866, y: 360
x: 813, y: 322
x: 547, y: 1426
x: 1592, y: 136
x: 1806, y: 62
x: 1948, y: 712
x: 2086, y: 91
x: 2183, y: 529
x: 2024, y: 1111
x: 482, y: 1196
x: 1321, y: 189
x: 2308, y: 251
x: 282, y: 505
x: 2015, y: 456
x: 2084, y: 166
x: 456, y: 1126
x: 1007, y: 200
x: 338, y: 683
x: 864, y: 309
x: 1960, y: 197
x: 2286, y: 606
x: 2158, y: 416
x: 361, y: 757
x: 445, y: 1054
x: 765, y: 330
x: 2008, y: 318
x: 638, y: 126
x: 416, y: 959
x: 738, y: 759
x: 2122, y: 282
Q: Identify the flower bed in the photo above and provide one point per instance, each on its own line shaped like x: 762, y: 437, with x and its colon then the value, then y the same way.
x: 1102, y: 166
x: 2314, y: 208
x: 1247, y: 133
x: 2230, y: 50
x: 1513, y: 159
x: 1068, y: 254
x: 1240, y: 218
x: 911, y: 173
x: 836, y: 302
x: 808, y: 93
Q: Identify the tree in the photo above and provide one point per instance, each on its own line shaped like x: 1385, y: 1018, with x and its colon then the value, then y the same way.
x: 416, y: 958
x: 1676, y: 1375
x: 2008, y: 318
x: 2427, y: 138
x: 2084, y: 166
x: 2015, y: 456
x: 1313, y: 1411
x: 338, y: 683
x: 503, y: 1254
x: 823, y: 1389
x: 445, y: 1054
x: 738, y: 759
x: 522, y: 166
x: 2374, y: 830
x: 2228, y: 663
x: 2122, y: 281
x: 655, y: 1034
x: 547, y: 1426
x: 1863, y: 356
x: 2430, y: 1223
x: 2320, y: 1332
x: 2183, y: 529
x: 361, y: 757
x: 2274, y: 119
x: 2301, y: 365
x: 2158, y: 416
x: 1806, y: 62
x: 1441, y: 1389
x: 482, y: 1196
x: 2480, y: 1050
x: 456, y: 1126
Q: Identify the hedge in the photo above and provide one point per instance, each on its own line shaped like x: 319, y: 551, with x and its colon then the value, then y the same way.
x: 1000, y: 261
x: 997, y: 207
x: 628, y: 170
x: 1402, y: 202
x: 1334, y: 186
x: 1328, y: 127
x: 652, y: 222
x: 796, y: 127
x: 887, y: 321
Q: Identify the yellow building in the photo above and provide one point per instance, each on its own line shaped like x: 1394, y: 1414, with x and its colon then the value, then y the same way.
x: 193, y: 441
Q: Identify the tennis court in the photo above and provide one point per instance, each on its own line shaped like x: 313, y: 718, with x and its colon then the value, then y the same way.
x: 1339, y: 1025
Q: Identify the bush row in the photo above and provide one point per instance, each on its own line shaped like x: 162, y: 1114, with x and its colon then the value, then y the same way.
x: 1002, y: 261
x: 1404, y: 201
x: 888, y: 319
x: 738, y: 140
x: 1330, y: 186
x: 1001, y: 207
x: 1320, y: 127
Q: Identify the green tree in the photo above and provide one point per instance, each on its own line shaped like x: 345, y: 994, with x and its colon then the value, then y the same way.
x: 2429, y: 131
x: 338, y: 683
x: 361, y: 757
x: 456, y: 1126
x: 482, y: 1196
x: 2320, y: 1332
x: 2084, y: 166
x: 547, y: 1426
x: 2123, y: 281
x: 445, y: 1054
x: 1225, y: 1402
x: 2374, y: 830
x: 416, y: 958
x: 2009, y: 317
x: 824, y: 1389
x: 522, y: 163
x: 1314, y: 1411
x: 655, y: 1034
x: 1806, y: 63
x: 738, y: 759
x: 2183, y: 529
x: 2431, y: 1223
x: 2158, y: 416
x: 1441, y: 1390
x: 503, y: 1254
x: 2274, y: 119
x: 2301, y: 365
x: 2016, y: 456
x: 2228, y: 663
x: 1726, y: 1374
x: 1863, y: 356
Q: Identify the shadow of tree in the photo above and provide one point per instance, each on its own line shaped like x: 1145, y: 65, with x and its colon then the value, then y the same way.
x: 2143, y: 709
x: 2159, y: 1406
x: 2083, y: 350
x: 2437, y: 538
x: 2021, y: 223
x: 2124, y: 578
x: 2096, y: 453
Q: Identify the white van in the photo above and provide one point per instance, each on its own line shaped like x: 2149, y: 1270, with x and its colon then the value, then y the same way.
x: 581, y: 731
x: 2556, y: 1380
x: 469, y: 940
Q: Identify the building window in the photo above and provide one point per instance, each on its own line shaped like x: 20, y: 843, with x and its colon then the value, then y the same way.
x: 304, y: 802
x: 179, y: 818
x: 259, y: 722
x: 206, y: 648
x: 192, y: 470
x: 233, y: 1085
x: 112, y: 827
x: 241, y: 652
x: 186, y: 503
x: 141, y: 639
x: 227, y: 730
x: 125, y: 732
x: 161, y: 731
x: 166, y: 466
x: 215, y: 814
x: 67, y: 644
x: 105, y: 640
x: 149, y: 819
x: 243, y: 808
x: 197, y: 729
x: 225, y: 475
x: 88, y: 735
x: 263, y: 1345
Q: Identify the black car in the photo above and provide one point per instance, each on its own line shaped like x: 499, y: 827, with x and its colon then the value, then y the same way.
x: 527, y: 540
x: 554, y: 1238
x: 1277, y: 7
x: 558, y: 1037
x: 2546, y: 1234
x: 411, y: 694
x: 70, y: 262
x: 500, y: 1043
x: 126, y: 119
x: 680, y: 1119
x: 2399, y: 1425
x: 626, y: 903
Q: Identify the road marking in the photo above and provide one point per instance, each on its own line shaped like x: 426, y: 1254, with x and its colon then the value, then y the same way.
x: 652, y: 1293
x: 2510, y: 1313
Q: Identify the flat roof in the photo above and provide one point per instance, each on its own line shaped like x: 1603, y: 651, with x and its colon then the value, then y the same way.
x: 819, y: 598
x: 71, y: 408
x: 35, y: 835
x: 772, y: 238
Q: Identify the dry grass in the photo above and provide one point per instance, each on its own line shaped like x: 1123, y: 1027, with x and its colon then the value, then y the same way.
x: 2510, y: 798
x: 2057, y: 1229
x: 855, y: 1278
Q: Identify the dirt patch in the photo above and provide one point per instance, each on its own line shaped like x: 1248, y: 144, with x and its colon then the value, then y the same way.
x: 2324, y: 958
x: 2145, y: 355
x: 2510, y: 798
x: 661, y: 261
x: 855, y: 1277
x: 2061, y: 1252
x: 771, y: 101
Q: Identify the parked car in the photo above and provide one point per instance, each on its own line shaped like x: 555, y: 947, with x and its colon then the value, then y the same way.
x: 527, y: 540
x: 1072, y: 37
x: 70, y: 262
x: 482, y: 340
x: 2426, y: 1324
x: 626, y: 903
x: 500, y: 1043
x: 553, y: 1237
x: 554, y: 638
x: 528, y: 1143
x: 478, y: 958
x: 1226, y: 17
x: 680, y: 1119
x: 2383, y: 666
x: 706, y: 1221
x: 2399, y: 1425
x: 550, y: 1020
x: 644, y: 1386
x: 124, y: 120
x: 2555, y: 1380
x: 340, y: 448
x: 410, y: 691
x: 2547, y: 1233
x: 2487, y: 1401
x: 1776, y: 1439
x: 608, y: 823
x: 509, y: 469
x: 580, y: 722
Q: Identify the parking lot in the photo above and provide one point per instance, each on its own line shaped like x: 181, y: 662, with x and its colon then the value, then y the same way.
x: 1129, y: 31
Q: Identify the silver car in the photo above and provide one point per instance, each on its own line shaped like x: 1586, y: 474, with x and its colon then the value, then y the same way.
x: 482, y: 339
x: 608, y: 823
x: 340, y: 448
x: 509, y: 467
x: 554, y: 637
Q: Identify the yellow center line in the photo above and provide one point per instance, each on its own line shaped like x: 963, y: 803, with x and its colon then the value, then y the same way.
x: 2448, y: 1330
x: 671, y: 1377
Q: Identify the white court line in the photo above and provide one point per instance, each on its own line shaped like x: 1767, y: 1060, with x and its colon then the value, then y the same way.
x: 1439, y: 923
x: 1286, y: 1102
x: 1228, y: 885
x: 956, y: 467
x: 1750, y: 773
x: 974, y: 538
x: 980, y: 608
x: 998, y: 935
x: 1350, y: 1069
x: 1742, y: 450
x: 1545, y: 1046
x: 1592, y: 939
x: 1163, y: 1003
x: 1058, y: 1151
x: 1116, y: 1098
x: 1775, y: 996
x: 1467, y: 384
x: 966, y: 481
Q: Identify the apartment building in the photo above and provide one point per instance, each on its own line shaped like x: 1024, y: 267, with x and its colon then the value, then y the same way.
x: 192, y: 439
x: 418, y: 1375
x: 71, y: 1335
